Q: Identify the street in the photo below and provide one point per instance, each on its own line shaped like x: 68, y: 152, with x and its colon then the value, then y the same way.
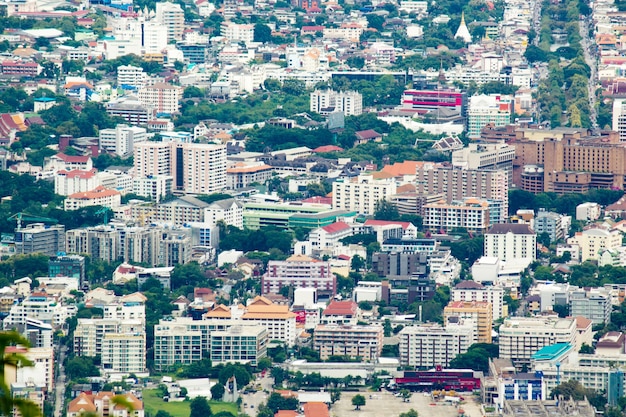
x: 60, y: 385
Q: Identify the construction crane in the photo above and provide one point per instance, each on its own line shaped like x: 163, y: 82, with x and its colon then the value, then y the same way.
x: 30, y: 218
x: 104, y: 211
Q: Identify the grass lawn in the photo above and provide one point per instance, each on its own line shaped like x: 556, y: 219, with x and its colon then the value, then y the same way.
x: 153, y: 403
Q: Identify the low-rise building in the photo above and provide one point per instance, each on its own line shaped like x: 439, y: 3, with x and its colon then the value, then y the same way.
x: 432, y: 345
x: 239, y: 344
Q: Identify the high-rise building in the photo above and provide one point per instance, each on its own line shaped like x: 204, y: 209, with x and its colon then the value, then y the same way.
x: 350, y: 103
x: 197, y: 168
x: 619, y: 118
x: 485, y: 109
x: 593, y: 304
x: 457, y: 184
x: 470, y: 214
x: 172, y: 17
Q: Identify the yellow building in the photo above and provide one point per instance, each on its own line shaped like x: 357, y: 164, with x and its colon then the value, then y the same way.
x: 480, y: 312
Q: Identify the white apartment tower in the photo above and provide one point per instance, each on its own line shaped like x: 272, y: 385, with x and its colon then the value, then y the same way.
x: 508, y: 241
x: 362, y: 194
x: 164, y: 98
x: 130, y: 76
x: 122, y: 139
x: 430, y: 345
x: 172, y: 16
x: 350, y: 103
x: 236, y: 32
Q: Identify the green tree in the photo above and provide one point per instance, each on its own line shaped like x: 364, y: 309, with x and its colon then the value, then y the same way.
x: 217, y: 392
x: 386, y: 210
x: 358, y: 401
x: 585, y: 348
x: 410, y: 413
x: 262, y: 33
x: 199, y: 407
x: 405, y: 394
x: 81, y: 367
x: 277, y: 402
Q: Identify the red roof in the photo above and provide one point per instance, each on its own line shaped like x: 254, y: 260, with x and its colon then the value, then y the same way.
x: 341, y: 308
x: 371, y: 222
x: 336, y: 227
x: 318, y: 200
x: 77, y: 173
x: 368, y: 134
x: 327, y: 148
x: 73, y: 159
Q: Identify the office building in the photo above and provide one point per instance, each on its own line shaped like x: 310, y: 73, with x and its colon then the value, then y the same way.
x: 429, y: 100
x: 299, y: 271
x: 521, y: 337
x: 456, y: 184
x: 242, y: 176
x: 485, y: 156
x: 479, y: 312
x: 324, y: 102
x: 364, y: 342
x: 239, y: 344
x: 172, y: 17
x: 362, y: 194
x: 431, y: 345
x: 39, y: 238
x: 488, y: 109
x: 72, y: 266
x: 508, y: 241
x: 400, y: 263
x: 473, y: 291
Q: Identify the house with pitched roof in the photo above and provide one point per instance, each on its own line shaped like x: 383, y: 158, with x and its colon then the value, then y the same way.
x: 328, y: 237
x: 341, y: 312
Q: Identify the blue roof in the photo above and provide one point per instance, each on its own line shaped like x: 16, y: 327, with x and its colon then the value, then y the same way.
x: 45, y: 99
x: 551, y: 352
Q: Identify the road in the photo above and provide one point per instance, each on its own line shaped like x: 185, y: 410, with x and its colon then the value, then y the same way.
x: 252, y: 401
x: 588, y: 47
x: 60, y: 386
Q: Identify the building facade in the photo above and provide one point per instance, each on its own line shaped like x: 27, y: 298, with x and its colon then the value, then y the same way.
x: 365, y: 342
x: 507, y: 241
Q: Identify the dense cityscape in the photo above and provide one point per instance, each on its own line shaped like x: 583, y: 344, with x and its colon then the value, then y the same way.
x: 312, y: 208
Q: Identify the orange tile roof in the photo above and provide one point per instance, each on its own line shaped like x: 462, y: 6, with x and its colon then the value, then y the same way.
x: 82, y: 404
x: 286, y: 413
x: 242, y: 170
x: 403, y: 168
x: 316, y: 409
x: 97, y: 192
x: 220, y: 311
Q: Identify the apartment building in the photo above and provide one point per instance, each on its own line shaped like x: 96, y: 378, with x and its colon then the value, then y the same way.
x: 471, y: 214
x: 41, y: 374
x: 236, y: 32
x: 592, y: 242
x: 485, y: 156
x: 457, y: 184
x: 163, y: 98
x: 299, y: 271
x: 130, y: 76
x: 39, y: 306
x: 364, y: 342
x: 363, y: 193
x: 124, y: 353
x: 154, y: 187
x: 90, y: 333
x: 101, y: 404
x: 431, y: 345
x: 571, y: 160
x: 122, y: 139
x: 197, y: 168
x: 172, y: 17
x: 593, y: 304
x: 469, y: 291
x: 175, y: 344
x: 70, y: 182
x: 242, y: 176
x: 239, y: 344
x: 324, y: 102
x: 588, y: 211
x: 485, y: 109
x: 100, y: 242
x: 480, y: 312
x: 521, y: 337
x: 508, y: 241
x: 554, y: 224
x: 131, y: 110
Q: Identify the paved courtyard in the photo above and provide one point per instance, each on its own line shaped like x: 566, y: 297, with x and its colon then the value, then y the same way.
x: 385, y: 404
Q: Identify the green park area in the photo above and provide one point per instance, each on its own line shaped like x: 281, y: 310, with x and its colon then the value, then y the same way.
x: 153, y: 403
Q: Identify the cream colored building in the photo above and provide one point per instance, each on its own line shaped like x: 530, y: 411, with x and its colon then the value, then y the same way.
x: 508, y: 241
x: 594, y: 241
x: 363, y: 193
x: 164, y: 98
x: 365, y: 342
x: 430, y: 345
x: 172, y: 17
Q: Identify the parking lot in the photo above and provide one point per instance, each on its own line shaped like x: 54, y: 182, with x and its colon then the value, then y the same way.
x: 387, y: 405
